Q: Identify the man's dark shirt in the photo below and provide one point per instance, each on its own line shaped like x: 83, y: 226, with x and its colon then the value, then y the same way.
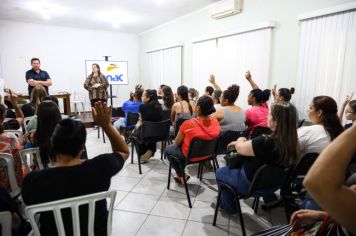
x: 42, y: 76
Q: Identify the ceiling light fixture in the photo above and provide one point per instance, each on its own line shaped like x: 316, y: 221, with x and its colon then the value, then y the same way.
x: 46, y: 10
x: 116, y: 17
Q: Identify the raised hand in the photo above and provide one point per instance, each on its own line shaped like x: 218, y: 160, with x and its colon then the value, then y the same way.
x: 348, y: 98
x: 102, y: 114
x: 212, y: 79
x: 248, y: 75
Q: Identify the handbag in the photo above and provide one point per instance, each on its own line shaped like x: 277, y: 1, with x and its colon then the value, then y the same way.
x: 233, y: 159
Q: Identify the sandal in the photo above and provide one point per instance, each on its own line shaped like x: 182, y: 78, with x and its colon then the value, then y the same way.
x: 180, y: 180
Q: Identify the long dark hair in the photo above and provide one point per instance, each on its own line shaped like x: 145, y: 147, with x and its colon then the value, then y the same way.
x: 152, y: 94
x: 182, y: 91
x: 48, y: 116
x: 37, y: 95
x: 329, y: 118
x: 285, y: 134
x: 3, y: 111
x: 168, y: 98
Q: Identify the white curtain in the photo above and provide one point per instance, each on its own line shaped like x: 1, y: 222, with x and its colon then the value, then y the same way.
x: 230, y: 57
x: 242, y: 52
x: 204, y: 64
x: 327, y: 58
x: 164, y: 67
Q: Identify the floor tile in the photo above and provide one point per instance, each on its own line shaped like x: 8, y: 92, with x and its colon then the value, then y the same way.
x: 174, y: 208
x: 120, y: 195
x: 126, y: 223
x: 123, y: 183
x: 137, y: 202
x: 203, y: 212
x: 207, y: 193
x: 201, y: 229
x: 148, y: 186
x: 178, y: 190
x: 162, y: 226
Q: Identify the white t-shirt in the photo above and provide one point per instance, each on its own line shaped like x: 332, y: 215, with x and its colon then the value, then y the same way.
x: 313, y: 139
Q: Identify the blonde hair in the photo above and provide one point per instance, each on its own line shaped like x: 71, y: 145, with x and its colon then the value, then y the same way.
x: 37, y: 95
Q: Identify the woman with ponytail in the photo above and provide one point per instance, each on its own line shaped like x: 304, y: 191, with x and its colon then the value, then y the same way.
x: 183, y: 109
x: 284, y: 95
x: 257, y: 115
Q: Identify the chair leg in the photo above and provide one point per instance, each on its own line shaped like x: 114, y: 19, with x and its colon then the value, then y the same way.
x: 201, y: 171
x: 169, y: 175
x: 255, y: 206
x: 187, y: 192
x: 217, y: 207
x: 139, y: 164
x: 217, y: 163
x: 132, y: 152
x: 240, y: 215
x: 214, y: 165
x: 162, y: 150
x: 199, y: 167
x: 103, y: 135
x: 98, y: 132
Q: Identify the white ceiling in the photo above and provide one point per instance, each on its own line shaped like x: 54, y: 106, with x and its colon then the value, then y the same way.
x: 133, y: 16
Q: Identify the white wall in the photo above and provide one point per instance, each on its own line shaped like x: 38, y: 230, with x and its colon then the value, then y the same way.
x: 285, y: 40
x: 63, y: 52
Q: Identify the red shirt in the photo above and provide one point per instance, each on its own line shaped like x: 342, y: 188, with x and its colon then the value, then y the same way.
x: 257, y: 116
x: 206, y: 129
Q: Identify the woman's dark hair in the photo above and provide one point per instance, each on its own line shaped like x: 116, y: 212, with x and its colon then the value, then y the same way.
x: 210, y: 90
x: 206, y: 105
x: 329, y: 118
x: 68, y: 137
x: 168, y: 98
x: 162, y: 86
x: 192, y: 92
x: 352, y: 105
x: 37, y: 96
x: 217, y: 94
x: 138, y: 94
x: 261, y: 96
x: 231, y: 93
x: 3, y: 111
x: 285, y: 134
x: 51, y: 98
x: 286, y: 93
x: 97, y: 66
x: 152, y: 94
x: 182, y: 91
x: 48, y: 116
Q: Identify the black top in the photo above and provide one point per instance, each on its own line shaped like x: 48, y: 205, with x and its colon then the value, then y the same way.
x: 65, y: 182
x: 12, y: 124
x: 27, y: 110
x: 264, y: 154
x: 42, y: 76
x: 348, y: 125
x: 150, y: 112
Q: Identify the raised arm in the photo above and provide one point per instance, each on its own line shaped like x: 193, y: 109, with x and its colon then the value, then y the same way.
x: 325, y: 180
x: 213, y: 82
x: 250, y: 80
x: 274, y: 93
x: 102, y: 116
x: 342, y: 109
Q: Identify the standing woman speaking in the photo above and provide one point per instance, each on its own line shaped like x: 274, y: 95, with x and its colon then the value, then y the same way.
x: 97, y: 85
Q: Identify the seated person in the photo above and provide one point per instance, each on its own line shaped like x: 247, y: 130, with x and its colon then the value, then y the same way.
x: 230, y: 116
x: 258, y: 114
x: 71, y: 177
x: 13, y: 124
x: 183, y: 109
x: 209, y: 91
x: 280, y: 149
x: 350, y: 112
x: 216, y: 94
x: 193, y: 95
x: 131, y: 105
x: 168, y: 98
x: 150, y: 110
x: 160, y: 93
x: 37, y: 95
x: 32, y: 124
x: 11, y: 145
x: 322, y: 113
x: 204, y: 127
x: 285, y: 95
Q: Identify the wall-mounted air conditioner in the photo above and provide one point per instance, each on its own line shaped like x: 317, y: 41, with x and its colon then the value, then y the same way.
x: 226, y: 8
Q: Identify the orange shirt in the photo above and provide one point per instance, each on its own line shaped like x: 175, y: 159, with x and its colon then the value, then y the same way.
x: 206, y: 129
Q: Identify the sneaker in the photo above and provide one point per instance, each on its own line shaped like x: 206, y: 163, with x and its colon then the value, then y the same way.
x: 145, y: 157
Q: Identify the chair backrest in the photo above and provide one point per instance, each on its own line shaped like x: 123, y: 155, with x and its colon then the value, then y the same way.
x: 27, y: 120
x: 5, y: 223
x: 29, y: 155
x: 304, y: 164
x: 74, y: 204
x: 166, y: 115
x: 201, y: 148
x: 300, y: 123
x: 227, y: 138
x: 7, y: 161
x: 154, y: 131
x: 132, y: 118
x: 179, y: 122
x: 17, y: 133
x: 259, y: 130
x: 118, y: 112
x: 268, y: 177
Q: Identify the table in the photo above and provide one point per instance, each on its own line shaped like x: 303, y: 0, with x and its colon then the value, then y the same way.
x: 64, y: 95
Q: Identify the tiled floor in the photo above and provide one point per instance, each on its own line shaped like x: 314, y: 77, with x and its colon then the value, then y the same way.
x: 144, y: 206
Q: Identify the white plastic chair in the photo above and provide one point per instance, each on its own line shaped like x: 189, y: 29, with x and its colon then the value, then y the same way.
x: 27, y: 120
x: 73, y: 203
x: 30, y: 154
x: 78, y: 100
x: 5, y: 222
x: 9, y: 164
x: 17, y: 133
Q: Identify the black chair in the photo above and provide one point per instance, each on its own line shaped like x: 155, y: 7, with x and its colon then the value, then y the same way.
x: 131, y: 120
x: 267, y: 177
x: 300, y: 123
x: 293, y: 192
x: 150, y: 132
x: 259, y: 130
x: 198, y: 148
x: 118, y: 112
x: 227, y: 138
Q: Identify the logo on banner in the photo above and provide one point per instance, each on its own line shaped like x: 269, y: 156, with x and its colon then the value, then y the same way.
x: 113, y: 76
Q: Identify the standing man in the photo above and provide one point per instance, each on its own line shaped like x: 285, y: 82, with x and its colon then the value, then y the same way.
x: 37, y: 77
